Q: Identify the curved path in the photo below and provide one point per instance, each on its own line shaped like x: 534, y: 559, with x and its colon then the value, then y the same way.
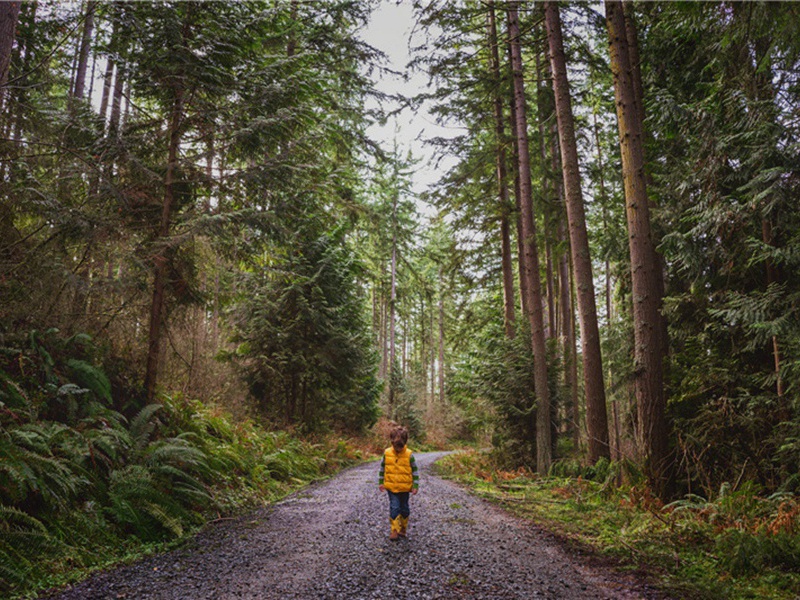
x: 330, y: 541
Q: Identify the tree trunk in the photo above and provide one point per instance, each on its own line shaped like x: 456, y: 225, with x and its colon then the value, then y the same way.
x: 552, y: 329
x: 83, y: 53
x: 433, y: 354
x: 509, y: 316
x: 116, y: 103
x: 596, y: 414
x: 9, y: 14
x: 653, y: 430
x: 162, y: 258
x: 108, y: 78
x: 392, y: 302
x: 441, y: 339
x: 565, y: 304
x: 523, y: 293
x: 530, y: 258
x: 291, y: 45
x: 632, y: 37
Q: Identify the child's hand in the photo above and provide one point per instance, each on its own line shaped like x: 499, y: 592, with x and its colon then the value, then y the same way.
x: 414, y: 491
x: 381, y: 488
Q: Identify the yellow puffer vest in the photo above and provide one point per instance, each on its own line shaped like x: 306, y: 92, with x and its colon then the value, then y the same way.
x: 397, y: 475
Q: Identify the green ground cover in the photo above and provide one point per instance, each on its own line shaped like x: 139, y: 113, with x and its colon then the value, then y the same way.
x: 740, y: 544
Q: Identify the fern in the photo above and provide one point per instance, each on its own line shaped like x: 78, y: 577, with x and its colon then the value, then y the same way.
x: 142, y: 427
x: 22, y: 539
x: 137, y: 502
x: 31, y: 466
x: 91, y: 378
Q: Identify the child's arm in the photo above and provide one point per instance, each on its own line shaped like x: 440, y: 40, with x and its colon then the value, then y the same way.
x: 382, y: 473
x: 414, y: 475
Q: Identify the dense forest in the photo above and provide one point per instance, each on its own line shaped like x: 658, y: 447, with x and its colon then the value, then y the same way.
x: 207, y: 265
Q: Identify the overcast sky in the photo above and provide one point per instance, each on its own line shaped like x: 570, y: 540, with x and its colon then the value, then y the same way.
x: 389, y: 31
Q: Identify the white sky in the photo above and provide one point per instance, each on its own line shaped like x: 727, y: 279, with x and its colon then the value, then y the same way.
x: 389, y: 30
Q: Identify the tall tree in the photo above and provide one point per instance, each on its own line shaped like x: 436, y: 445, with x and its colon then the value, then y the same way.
x: 9, y: 13
x: 83, y: 51
x: 529, y: 261
x: 653, y: 428
x: 502, y: 175
x: 596, y: 415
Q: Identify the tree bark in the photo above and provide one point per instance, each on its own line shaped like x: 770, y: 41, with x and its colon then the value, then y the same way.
x: 433, y: 353
x: 116, y: 102
x: 530, y: 258
x: 162, y: 258
x: 596, y: 414
x: 551, y: 329
x: 523, y: 293
x: 509, y: 314
x: 9, y: 14
x: 392, y: 302
x: 441, y: 339
x: 566, y: 318
x: 653, y: 430
x: 83, y: 53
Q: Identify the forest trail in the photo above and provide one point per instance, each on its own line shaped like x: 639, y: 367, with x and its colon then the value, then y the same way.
x: 330, y: 541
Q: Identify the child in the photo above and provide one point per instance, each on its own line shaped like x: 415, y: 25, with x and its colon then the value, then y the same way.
x: 398, y: 476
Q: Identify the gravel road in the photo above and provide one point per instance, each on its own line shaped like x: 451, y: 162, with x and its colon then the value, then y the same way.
x: 330, y: 541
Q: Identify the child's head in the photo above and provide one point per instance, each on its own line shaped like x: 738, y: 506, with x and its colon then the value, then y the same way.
x: 399, y: 437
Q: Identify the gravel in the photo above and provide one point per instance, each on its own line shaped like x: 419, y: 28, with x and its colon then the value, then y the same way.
x: 330, y: 541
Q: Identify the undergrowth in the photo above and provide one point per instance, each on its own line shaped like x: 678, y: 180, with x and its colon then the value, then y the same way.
x: 738, y: 544
x: 88, y: 479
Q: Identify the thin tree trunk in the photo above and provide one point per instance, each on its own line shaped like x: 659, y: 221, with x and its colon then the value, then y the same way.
x: 772, y: 277
x: 162, y: 258
x: 530, y: 255
x: 565, y: 294
x: 551, y: 330
x: 116, y: 104
x: 441, y: 339
x: 83, y: 53
x: 291, y: 45
x: 9, y: 15
x: 523, y: 291
x: 433, y: 353
x: 392, y: 302
x: 91, y: 76
x: 509, y: 314
x: 108, y: 80
x: 405, y: 347
x: 423, y: 350
x: 596, y: 414
x: 652, y: 434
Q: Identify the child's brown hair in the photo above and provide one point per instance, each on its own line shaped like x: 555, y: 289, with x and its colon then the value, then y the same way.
x: 398, y: 437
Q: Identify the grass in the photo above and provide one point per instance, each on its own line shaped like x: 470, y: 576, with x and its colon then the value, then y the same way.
x: 738, y: 546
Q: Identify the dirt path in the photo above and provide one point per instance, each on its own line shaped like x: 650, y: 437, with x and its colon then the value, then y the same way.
x: 331, y: 541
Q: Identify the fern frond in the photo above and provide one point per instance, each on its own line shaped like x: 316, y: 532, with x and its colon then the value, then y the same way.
x: 142, y: 427
x: 91, y: 378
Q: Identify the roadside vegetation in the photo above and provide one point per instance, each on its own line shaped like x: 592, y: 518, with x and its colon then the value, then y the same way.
x: 738, y: 544
x: 88, y: 480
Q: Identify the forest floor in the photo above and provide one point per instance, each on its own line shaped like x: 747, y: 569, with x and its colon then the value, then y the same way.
x: 330, y: 540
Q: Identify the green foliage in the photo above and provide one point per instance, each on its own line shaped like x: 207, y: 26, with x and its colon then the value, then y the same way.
x: 79, y: 492
x: 303, y: 343
x: 740, y: 544
x: 724, y: 181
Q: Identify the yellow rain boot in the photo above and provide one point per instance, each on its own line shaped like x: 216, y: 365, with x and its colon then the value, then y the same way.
x: 395, y: 528
x: 403, y: 525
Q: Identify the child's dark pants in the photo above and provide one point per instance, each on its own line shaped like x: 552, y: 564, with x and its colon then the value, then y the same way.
x: 398, y: 504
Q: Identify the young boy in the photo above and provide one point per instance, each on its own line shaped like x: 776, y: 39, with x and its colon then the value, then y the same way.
x: 398, y: 476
